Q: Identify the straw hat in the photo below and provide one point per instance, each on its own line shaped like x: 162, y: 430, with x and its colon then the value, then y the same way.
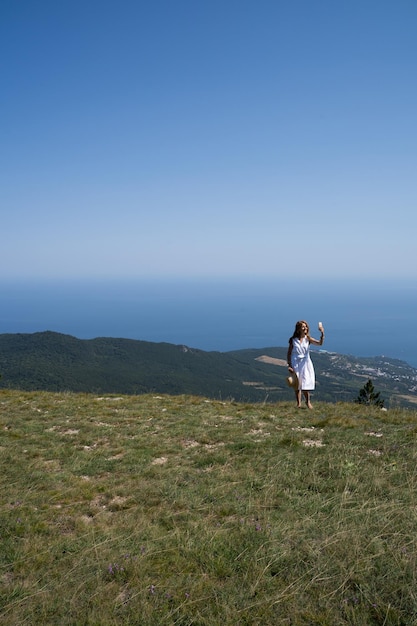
x: 292, y: 380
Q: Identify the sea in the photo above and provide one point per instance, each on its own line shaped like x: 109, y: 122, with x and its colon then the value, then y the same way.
x: 361, y: 317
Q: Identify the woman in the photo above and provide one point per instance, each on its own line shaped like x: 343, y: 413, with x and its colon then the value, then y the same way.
x: 299, y: 361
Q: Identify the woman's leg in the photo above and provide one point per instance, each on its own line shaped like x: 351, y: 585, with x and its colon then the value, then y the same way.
x: 307, y: 398
x: 298, y: 397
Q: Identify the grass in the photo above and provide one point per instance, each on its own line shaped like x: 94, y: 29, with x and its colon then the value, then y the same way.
x: 160, y: 510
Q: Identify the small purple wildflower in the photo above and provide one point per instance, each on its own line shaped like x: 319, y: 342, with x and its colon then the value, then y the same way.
x: 352, y: 600
x: 114, y: 568
x: 152, y: 589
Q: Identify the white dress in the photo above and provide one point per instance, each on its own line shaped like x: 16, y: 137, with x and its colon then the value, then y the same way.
x: 302, y: 364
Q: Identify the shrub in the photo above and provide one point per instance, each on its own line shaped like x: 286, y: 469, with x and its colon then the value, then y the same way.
x: 368, y: 395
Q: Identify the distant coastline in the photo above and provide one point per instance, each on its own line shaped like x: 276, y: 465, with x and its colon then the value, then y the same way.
x: 360, y: 319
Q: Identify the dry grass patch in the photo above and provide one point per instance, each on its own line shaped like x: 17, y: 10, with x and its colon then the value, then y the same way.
x: 179, y: 510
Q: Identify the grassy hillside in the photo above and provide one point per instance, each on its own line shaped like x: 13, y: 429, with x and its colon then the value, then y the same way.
x: 55, y: 362
x: 159, y: 510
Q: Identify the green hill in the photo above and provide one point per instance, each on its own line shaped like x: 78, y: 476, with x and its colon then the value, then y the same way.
x: 56, y: 362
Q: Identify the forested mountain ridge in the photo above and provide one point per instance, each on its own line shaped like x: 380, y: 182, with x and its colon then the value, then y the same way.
x: 57, y: 362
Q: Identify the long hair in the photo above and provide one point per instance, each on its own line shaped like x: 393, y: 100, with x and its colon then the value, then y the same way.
x: 297, y: 331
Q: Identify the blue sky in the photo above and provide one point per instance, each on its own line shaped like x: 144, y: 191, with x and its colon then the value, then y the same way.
x: 207, y: 138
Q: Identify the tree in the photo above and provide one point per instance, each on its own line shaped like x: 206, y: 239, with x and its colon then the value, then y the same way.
x: 368, y: 395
